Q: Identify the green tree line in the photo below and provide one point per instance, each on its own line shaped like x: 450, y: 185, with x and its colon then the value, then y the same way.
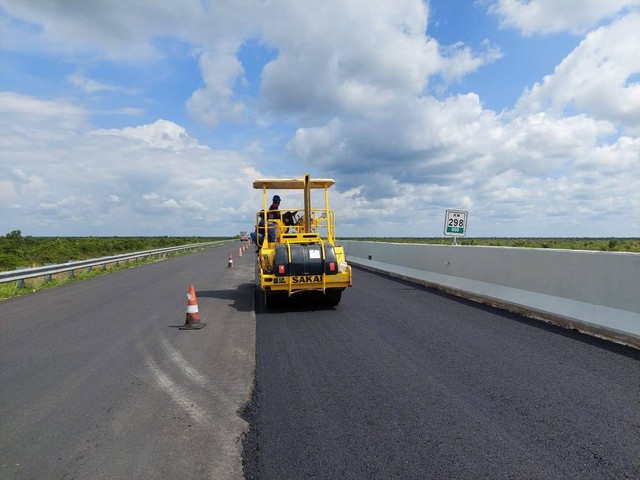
x: 17, y: 251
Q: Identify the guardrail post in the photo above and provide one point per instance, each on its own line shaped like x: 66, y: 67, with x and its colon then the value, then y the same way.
x: 47, y: 277
x: 20, y: 283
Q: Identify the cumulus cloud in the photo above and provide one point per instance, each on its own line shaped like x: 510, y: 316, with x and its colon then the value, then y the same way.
x: 357, y: 104
x: 148, y: 179
x: 375, y: 48
x: 214, y: 103
x: 507, y: 168
x: 552, y: 16
x: 458, y: 59
x: 377, y: 52
x: 124, y: 30
x: 160, y: 134
x: 599, y: 77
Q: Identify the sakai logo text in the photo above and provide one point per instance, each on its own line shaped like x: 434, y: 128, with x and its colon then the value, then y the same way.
x: 306, y: 279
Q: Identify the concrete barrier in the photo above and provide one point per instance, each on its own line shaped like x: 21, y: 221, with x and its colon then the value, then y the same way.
x: 595, y: 292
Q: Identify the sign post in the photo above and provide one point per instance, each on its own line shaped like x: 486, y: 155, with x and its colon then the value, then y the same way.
x: 455, y: 224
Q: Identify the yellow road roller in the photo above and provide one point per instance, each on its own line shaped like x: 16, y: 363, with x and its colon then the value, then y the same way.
x: 297, y: 249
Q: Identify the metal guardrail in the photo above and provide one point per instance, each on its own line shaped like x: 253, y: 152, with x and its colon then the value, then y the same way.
x: 47, y: 271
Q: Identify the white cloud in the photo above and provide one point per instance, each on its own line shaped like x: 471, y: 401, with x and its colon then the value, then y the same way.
x: 190, y: 203
x: 89, y: 86
x: 376, y: 52
x: 7, y: 192
x: 458, y: 59
x: 150, y: 196
x: 28, y: 182
x: 213, y: 103
x: 27, y: 110
x: 353, y: 82
x: 596, y: 78
x: 58, y: 204
x: 170, y: 204
x: 509, y: 169
x: 124, y: 30
x: 376, y: 49
x: 160, y: 134
x: 120, y: 181
x: 552, y: 16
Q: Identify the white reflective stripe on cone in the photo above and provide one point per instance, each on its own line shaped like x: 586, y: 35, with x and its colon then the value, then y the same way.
x: 192, y: 308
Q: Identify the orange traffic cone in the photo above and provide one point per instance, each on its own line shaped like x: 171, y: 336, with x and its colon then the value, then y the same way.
x: 230, y: 262
x: 192, y: 321
x: 239, y: 251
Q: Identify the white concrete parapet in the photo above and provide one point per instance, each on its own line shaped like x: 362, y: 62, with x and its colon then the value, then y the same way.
x: 594, y: 292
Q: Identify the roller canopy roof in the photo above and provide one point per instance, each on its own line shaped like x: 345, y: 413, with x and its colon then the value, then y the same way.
x: 291, y: 183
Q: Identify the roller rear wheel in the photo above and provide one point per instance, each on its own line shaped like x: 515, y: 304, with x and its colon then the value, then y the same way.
x: 333, y: 297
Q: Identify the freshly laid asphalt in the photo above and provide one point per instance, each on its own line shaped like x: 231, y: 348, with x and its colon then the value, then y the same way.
x: 404, y: 382
x: 397, y: 381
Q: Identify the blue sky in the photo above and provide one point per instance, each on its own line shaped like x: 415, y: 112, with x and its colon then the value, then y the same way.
x: 153, y: 118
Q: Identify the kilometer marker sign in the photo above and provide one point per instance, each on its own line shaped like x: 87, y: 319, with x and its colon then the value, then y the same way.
x: 455, y: 223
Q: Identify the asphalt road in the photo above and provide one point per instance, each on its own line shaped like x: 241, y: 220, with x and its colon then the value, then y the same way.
x: 404, y: 382
x: 398, y: 381
x: 98, y: 382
